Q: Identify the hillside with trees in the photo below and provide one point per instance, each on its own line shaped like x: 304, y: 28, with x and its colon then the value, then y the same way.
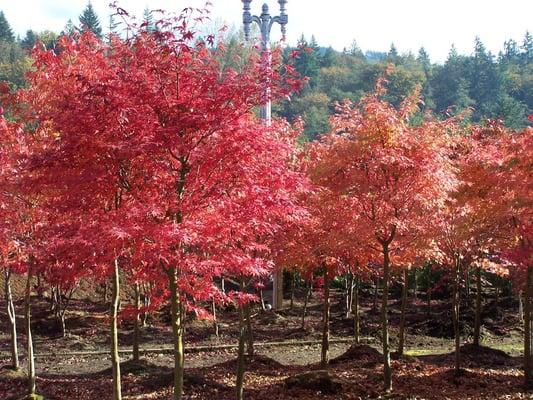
x: 482, y: 85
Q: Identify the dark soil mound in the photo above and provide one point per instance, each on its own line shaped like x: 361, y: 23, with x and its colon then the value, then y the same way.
x: 320, y: 380
x: 482, y: 355
x: 166, y: 379
x: 476, y: 356
x: 361, y: 353
x: 141, y: 367
x: 257, y: 362
x: 8, y: 373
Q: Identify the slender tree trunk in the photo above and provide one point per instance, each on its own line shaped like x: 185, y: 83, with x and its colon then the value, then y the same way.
x: 31, y: 358
x: 146, y: 304
x: 429, y: 290
x: 177, y: 330
x: 376, y: 287
x: 10, y: 305
x: 62, y: 326
x: 249, y: 332
x: 293, y: 275
x: 356, y: 327
x: 239, y: 385
x: 405, y: 290
x: 349, y: 293
x: 115, y: 357
x: 306, y: 302
x: 521, y: 306
x: 477, y: 321
x: 53, y: 299
x: 528, y: 296
x: 105, y: 292
x: 455, y: 316
x: 136, y: 322
x: 60, y: 309
x: 215, y: 322
x: 324, y: 359
x: 467, y: 297
x: 262, y: 300
x: 387, y: 370
x: 497, y: 299
x: 38, y: 286
x: 415, y: 284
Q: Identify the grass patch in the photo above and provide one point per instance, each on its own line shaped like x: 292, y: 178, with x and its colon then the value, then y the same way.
x: 427, y: 351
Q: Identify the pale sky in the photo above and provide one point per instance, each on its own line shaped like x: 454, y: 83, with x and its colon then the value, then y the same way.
x: 410, y: 24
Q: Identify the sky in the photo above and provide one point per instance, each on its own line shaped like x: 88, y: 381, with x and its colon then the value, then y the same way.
x: 374, y: 24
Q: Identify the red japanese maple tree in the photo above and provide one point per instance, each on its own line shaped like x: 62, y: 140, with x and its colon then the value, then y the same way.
x: 396, y: 174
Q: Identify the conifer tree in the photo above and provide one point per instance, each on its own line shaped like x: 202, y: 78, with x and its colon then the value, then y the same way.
x: 70, y: 28
x: 89, y: 21
x: 6, y: 33
x: 148, y: 20
x: 29, y: 40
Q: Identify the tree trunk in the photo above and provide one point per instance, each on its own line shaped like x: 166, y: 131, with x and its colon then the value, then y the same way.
x: 262, y: 300
x: 239, y: 385
x: 136, y: 322
x: 62, y: 326
x: 467, y: 297
x: 115, y: 357
x: 324, y: 359
x: 455, y: 316
x: 38, y: 288
x: 415, y: 284
x: 356, y: 327
x: 528, y: 361
x: 306, y: 302
x: 177, y: 331
x: 387, y: 371
x: 10, y: 305
x: 60, y: 309
x: 429, y: 290
x: 349, y: 293
x: 105, y: 292
x: 405, y: 290
x: 53, y: 299
x: 293, y: 275
x: 477, y: 321
x: 146, y: 303
x: 215, y: 322
x: 521, y: 306
x: 249, y: 332
x: 31, y: 358
x: 376, y: 283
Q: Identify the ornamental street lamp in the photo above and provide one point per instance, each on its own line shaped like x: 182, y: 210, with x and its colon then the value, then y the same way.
x: 265, y: 22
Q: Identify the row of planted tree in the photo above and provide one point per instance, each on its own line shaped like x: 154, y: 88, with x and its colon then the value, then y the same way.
x: 141, y: 158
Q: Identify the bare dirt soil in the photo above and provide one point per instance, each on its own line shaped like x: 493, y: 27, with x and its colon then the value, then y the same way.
x: 491, y: 372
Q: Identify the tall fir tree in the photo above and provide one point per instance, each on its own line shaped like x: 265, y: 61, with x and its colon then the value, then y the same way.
x: 70, y: 28
x: 148, y: 20
x: 307, y: 62
x: 6, y: 33
x: 29, y: 40
x: 393, y: 56
x: 484, y: 82
x: 527, y: 48
x: 89, y: 21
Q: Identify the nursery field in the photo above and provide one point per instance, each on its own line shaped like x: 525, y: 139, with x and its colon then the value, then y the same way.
x: 288, y: 367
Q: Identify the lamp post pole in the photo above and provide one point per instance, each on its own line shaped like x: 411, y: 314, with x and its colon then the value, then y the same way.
x: 265, y: 22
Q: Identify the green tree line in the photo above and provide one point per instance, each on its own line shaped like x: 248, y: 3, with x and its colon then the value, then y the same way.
x: 481, y: 85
